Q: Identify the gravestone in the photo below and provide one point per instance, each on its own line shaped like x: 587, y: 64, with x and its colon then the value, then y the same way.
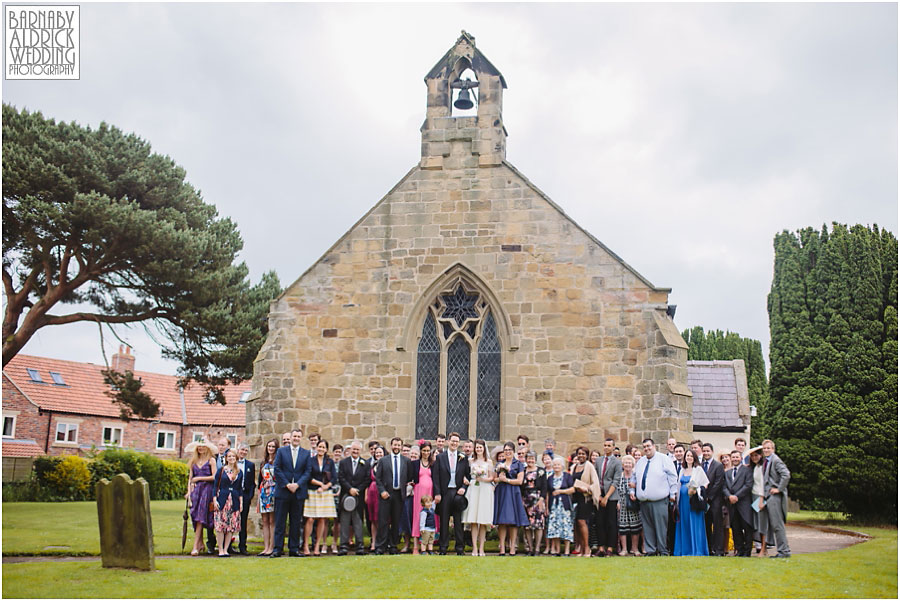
x: 126, y: 532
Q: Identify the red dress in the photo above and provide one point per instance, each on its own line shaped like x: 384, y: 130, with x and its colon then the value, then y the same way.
x: 372, y: 500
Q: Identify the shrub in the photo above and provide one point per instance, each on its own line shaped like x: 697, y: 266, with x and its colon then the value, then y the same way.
x: 164, y: 480
x: 71, y: 478
x: 60, y: 479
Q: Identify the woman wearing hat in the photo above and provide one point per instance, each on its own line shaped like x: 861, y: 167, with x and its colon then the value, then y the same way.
x: 201, y: 466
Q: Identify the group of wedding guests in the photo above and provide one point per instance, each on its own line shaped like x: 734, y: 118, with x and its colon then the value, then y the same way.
x: 683, y: 502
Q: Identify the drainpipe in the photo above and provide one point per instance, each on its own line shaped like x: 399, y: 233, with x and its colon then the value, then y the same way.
x: 49, y: 425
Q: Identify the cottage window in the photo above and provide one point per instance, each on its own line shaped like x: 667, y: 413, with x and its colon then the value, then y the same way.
x: 34, y: 374
x: 165, y: 440
x: 458, y: 367
x: 112, y: 436
x: 198, y: 436
x: 9, y: 426
x: 232, y: 438
x: 57, y: 378
x: 66, y: 432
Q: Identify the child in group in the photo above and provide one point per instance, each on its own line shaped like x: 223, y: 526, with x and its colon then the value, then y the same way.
x: 427, y: 526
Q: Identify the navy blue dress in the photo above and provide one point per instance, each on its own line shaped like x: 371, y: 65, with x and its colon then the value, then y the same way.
x: 690, y: 530
x: 509, y: 509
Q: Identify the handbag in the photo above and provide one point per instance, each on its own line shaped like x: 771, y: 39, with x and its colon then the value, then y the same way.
x: 632, y: 504
x: 698, y: 503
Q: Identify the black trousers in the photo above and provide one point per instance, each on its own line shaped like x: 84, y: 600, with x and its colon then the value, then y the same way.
x: 742, y: 532
x: 606, y: 522
x: 670, y: 531
x: 291, y: 507
x: 390, y: 511
x: 445, y: 512
x: 245, y: 514
x: 715, y: 527
x: 211, y: 539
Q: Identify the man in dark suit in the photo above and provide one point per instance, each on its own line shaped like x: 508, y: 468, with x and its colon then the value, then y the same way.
x: 450, y: 470
x: 248, y: 469
x: 715, y: 521
x: 678, y: 451
x: 293, y: 466
x: 606, y: 518
x: 354, y: 478
x: 392, y: 474
x: 737, y: 489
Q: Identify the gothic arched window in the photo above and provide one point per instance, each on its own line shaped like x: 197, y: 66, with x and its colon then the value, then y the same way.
x: 458, y: 367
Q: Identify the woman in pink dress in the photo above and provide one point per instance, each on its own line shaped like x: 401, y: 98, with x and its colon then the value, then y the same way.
x: 372, y: 498
x: 424, y: 487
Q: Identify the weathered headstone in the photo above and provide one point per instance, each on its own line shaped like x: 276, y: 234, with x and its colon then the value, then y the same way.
x: 126, y: 532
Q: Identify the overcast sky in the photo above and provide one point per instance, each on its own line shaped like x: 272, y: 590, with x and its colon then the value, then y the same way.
x: 684, y: 137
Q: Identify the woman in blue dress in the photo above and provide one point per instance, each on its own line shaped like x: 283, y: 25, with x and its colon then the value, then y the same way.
x: 509, y: 509
x: 690, y: 528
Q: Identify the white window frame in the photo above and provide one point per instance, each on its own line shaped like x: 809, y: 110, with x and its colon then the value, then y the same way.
x: 70, y: 426
x: 32, y: 372
x: 14, y: 416
x: 197, y: 436
x: 165, y: 448
x: 113, y: 427
x: 54, y: 375
x: 233, y: 439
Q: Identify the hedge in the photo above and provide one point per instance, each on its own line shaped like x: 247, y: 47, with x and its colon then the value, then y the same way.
x: 73, y: 478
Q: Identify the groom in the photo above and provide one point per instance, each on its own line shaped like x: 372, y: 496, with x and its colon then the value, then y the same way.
x: 293, y: 467
x: 450, y: 468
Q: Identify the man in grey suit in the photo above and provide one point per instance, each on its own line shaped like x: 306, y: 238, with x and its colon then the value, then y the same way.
x: 606, y: 518
x: 776, y: 477
x: 737, y: 489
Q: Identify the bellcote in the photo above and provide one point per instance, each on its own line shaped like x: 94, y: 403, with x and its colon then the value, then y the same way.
x: 454, y: 139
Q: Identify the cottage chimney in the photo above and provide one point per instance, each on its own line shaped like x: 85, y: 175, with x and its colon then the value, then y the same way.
x: 123, y: 360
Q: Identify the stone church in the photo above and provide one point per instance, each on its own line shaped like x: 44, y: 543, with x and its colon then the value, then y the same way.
x: 466, y: 300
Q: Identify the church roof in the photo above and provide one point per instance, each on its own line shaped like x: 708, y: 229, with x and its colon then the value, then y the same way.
x: 719, y: 388
x: 480, y: 63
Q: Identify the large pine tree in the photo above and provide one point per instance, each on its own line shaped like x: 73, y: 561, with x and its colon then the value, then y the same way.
x: 833, y: 355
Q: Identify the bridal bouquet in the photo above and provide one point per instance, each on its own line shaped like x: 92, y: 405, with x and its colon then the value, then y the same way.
x: 502, y: 469
x: 478, y: 472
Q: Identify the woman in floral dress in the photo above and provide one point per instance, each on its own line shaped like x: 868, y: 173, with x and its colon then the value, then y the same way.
x: 266, y: 501
x: 560, y: 487
x: 533, y: 496
x: 229, y: 501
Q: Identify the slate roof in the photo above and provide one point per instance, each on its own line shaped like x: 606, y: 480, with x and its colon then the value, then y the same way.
x: 717, y: 393
x: 83, y: 392
x: 21, y: 448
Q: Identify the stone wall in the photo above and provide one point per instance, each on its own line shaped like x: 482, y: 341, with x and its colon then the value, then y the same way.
x: 588, y: 349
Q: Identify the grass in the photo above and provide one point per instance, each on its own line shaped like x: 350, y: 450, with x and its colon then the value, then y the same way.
x: 865, y: 570
x: 30, y: 528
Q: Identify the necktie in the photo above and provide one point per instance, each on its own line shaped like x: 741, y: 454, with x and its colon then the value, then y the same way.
x: 766, y: 467
x: 603, y: 473
x: 644, y: 477
x: 355, y: 464
x: 734, y: 473
x: 396, y: 473
x: 706, y: 466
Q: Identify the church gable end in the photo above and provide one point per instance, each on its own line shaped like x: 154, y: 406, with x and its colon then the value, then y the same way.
x: 467, y: 299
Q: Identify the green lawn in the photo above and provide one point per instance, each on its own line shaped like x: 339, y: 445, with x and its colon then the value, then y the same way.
x: 864, y: 570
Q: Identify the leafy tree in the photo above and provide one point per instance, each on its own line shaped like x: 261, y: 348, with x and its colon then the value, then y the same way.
x: 716, y: 345
x: 92, y: 217
x: 125, y: 391
x: 833, y: 384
